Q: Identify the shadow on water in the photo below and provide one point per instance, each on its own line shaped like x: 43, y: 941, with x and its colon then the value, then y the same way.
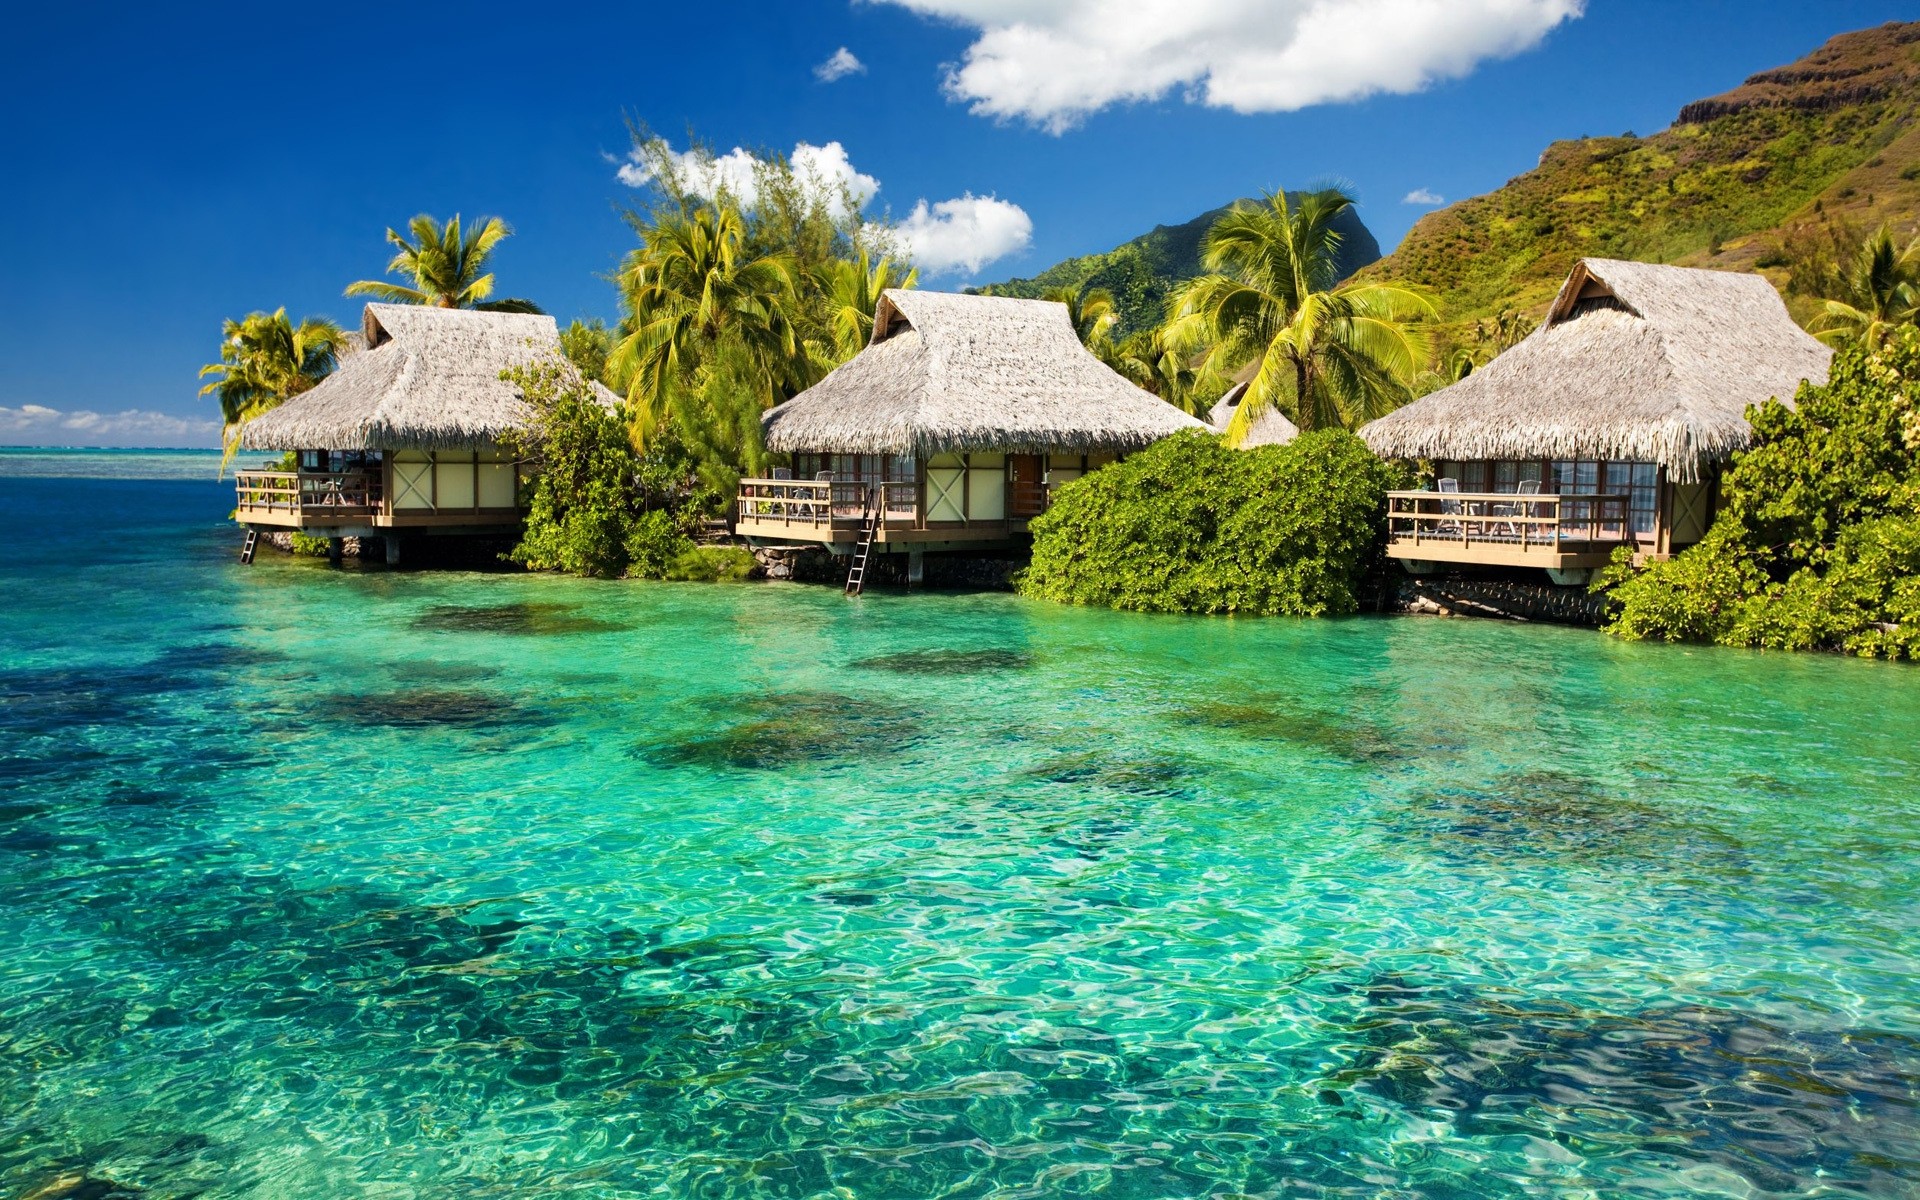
x: 1552, y: 816
x: 792, y: 727
x: 1285, y: 719
x: 1785, y: 1108
x: 528, y: 618
x: 1163, y: 776
x: 946, y: 662
x: 37, y: 701
x: 428, y: 709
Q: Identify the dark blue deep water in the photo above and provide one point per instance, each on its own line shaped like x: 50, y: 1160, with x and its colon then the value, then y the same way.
x: 321, y: 882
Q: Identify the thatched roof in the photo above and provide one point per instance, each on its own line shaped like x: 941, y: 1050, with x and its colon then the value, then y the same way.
x: 1270, y: 428
x: 429, y: 379
x: 1634, y: 362
x: 947, y: 372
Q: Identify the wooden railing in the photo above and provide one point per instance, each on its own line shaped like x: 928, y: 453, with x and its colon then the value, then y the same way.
x: 297, y: 493
x: 1546, y: 522
x: 823, y: 504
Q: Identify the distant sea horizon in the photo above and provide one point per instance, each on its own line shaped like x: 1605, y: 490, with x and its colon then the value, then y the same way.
x: 112, y: 462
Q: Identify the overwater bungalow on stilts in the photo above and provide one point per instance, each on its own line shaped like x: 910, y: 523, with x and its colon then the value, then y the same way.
x: 1606, y: 427
x: 949, y: 431
x: 404, y: 437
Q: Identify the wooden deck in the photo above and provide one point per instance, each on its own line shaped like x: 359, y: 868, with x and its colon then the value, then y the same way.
x: 830, y: 512
x: 338, y: 502
x: 1503, y: 529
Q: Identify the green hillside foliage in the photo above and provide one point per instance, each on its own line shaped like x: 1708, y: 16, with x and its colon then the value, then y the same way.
x: 1778, y: 175
x: 1142, y: 272
x: 1189, y: 525
x: 1817, y: 545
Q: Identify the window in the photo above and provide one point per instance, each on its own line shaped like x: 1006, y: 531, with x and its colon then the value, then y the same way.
x: 1508, y: 476
x: 1640, y: 483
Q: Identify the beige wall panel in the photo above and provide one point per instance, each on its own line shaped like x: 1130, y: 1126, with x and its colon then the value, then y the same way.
x: 453, y: 481
x: 412, y: 484
x: 496, y: 485
x: 1690, y: 516
x: 986, y: 493
x: 943, y: 493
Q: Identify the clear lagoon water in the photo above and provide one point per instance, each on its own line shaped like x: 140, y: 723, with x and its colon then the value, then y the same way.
x: 321, y: 882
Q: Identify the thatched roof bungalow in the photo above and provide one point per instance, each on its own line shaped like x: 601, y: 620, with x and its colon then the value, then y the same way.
x: 966, y: 412
x: 1270, y: 428
x: 1634, y: 387
x: 406, y: 432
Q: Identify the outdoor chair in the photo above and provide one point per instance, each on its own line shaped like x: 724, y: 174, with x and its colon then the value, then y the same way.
x: 1450, y: 510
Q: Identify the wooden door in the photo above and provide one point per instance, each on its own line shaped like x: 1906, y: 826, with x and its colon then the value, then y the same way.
x: 1029, y: 497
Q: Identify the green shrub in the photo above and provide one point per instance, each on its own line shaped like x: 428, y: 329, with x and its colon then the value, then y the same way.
x: 597, y: 506
x: 714, y: 564
x: 306, y: 545
x: 1192, y: 526
x: 1817, y: 545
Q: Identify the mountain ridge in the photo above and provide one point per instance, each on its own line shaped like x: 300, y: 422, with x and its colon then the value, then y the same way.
x: 1781, y: 174
x: 1142, y: 271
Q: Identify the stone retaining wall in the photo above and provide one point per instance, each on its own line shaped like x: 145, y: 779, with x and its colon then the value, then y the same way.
x: 890, y: 570
x: 1504, y: 598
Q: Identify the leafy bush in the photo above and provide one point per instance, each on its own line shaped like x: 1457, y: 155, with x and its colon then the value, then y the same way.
x: 307, y: 545
x: 598, y: 506
x: 1817, y: 545
x: 1192, y: 526
x: 714, y: 564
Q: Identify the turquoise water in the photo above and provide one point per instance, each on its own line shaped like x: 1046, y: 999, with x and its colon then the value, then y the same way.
x: 354, y: 883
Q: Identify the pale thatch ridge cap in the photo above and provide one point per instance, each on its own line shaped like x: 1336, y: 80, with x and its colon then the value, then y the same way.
x: 1666, y: 377
x: 428, y: 379
x: 1270, y: 428
x: 948, y: 372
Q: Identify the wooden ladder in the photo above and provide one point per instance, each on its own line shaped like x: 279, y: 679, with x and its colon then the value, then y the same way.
x: 248, y: 545
x: 869, y: 529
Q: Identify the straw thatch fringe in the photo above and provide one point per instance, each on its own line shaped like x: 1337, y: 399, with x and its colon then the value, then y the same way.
x: 429, y: 379
x: 1634, y: 363
x: 949, y: 373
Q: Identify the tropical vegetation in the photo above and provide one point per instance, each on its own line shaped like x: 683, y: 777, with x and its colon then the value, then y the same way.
x: 1189, y: 525
x: 1817, y: 543
x: 1142, y: 273
x: 447, y: 265
x: 1876, y: 293
x: 1777, y: 175
x: 598, y: 505
x: 265, y: 360
x: 1326, y: 354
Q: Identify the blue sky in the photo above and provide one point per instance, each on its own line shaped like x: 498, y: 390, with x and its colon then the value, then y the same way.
x: 169, y: 167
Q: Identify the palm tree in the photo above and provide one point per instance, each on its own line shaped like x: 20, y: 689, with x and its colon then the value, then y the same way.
x: 851, y: 288
x: 691, y: 284
x: 1089, y: 308
x: 448, y: 266
x: 1327, y: 354
x: 1148, y: 361
x: 265, y: 360
x: 1879, y: 291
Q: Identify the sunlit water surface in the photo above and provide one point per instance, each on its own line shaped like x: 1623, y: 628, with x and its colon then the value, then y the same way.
x: 354, y: 883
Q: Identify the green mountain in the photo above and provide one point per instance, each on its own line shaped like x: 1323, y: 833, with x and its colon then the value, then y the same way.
x: 1141, y: 272
x: 1779, y: 175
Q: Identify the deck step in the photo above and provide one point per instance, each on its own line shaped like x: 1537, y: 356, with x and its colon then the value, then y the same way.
x: 869, y: 529
x: 248, y: 545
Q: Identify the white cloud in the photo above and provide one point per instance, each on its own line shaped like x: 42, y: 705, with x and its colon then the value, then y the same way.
x: 1054, y: 62
x: 1425, y: 197
x: 824, y: 168
x: 942, y: 237
x: 36, y: 424
x: 964, y: 234
x: 841, y: 64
